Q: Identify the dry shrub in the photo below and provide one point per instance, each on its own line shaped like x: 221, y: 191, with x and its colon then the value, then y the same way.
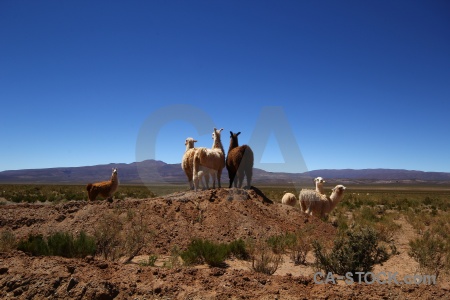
x: 174, y: 260
x: 264, y: 260
x: 107, y: 234
x: 431, y: 253
x: 7, y: 241
x: 137, y: 234
x: 121, y: 235
x: 299, y: 250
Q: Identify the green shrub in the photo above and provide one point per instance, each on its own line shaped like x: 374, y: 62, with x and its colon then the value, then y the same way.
x: 341, y: 220
x: 279, y: 243
x: 238, y: 249
x: 202, y: 251
x: 35, y: 245
x: 84, y: 245
x: 368, y: 214
x: 59, y: 244
x: 431, y: 253
x: 353, y: 251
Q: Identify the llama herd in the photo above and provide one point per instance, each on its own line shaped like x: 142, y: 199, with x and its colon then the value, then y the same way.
x: 199, y: 164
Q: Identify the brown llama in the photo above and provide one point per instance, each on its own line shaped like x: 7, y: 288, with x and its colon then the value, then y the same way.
x: 239, y: 162
x: 105, y: 188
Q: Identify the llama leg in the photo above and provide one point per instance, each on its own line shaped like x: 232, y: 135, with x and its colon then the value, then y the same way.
x: 206, y: 176
x: 240, y: 178
x: 94, y: 194
x: 109, y: 198
x: 249, y: 174
x: 214, y: 175
x: 303, y: 206
x: 231, y: 176
x: 219, y: 174
x: 195, y: 180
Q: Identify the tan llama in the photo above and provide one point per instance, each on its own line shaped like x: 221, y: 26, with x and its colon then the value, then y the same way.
x: 105, y: 188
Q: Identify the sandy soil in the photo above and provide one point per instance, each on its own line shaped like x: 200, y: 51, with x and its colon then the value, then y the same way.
x: 221, y: 215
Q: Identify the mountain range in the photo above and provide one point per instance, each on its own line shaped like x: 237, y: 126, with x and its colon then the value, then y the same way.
x: 154, y: 171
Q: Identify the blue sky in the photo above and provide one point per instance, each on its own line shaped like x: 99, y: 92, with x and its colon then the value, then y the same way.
x: 362, y: 84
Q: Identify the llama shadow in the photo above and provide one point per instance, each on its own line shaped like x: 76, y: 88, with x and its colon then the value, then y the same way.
x: 261, y: 194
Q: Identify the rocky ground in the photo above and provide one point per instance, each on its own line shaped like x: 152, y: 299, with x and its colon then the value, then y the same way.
x: 220, y: 215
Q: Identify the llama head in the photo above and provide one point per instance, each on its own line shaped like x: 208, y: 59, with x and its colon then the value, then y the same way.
x: 234, y: 139
x: 319, y: 180
x: 189, y: 143
x: 339, y: 189
x: 216, y: 133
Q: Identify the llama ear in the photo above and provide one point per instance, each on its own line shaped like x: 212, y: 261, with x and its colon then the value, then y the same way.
x: 220, y: 129
x: 195, y: 141
x: 238, y: 133
x: 231, y: 133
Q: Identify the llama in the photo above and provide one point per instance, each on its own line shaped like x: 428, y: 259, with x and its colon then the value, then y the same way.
x: 187, y: 164
x: 289, y: 199
x: 319, y: 188
x: 239, y: 162
x: 211, y: 159
x: 319, y: 205
x: 105, y: 188
x: 319, y: 185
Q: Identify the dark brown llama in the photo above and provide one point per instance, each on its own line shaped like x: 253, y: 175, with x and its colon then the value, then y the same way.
x: 105, y: 188
x: 239, y: 162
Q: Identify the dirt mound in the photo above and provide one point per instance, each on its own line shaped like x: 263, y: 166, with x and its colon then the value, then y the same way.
x: 220, y: 215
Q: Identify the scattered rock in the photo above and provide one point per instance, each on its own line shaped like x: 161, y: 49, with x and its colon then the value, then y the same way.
x: 72, y: 283
x: 102, y: 265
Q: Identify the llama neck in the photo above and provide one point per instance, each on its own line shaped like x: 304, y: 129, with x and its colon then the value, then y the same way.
x: 319, y: 188
x: 188, y: 147
x: 114, y: 179
x: 334, y: 199
x: 217, y: 144
x: 233, y: 144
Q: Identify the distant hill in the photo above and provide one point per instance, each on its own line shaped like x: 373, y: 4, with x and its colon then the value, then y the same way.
x: 381, y: 174
x: 153, y: 171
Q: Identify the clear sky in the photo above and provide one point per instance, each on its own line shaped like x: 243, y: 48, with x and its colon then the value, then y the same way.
x: 362, y: 84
